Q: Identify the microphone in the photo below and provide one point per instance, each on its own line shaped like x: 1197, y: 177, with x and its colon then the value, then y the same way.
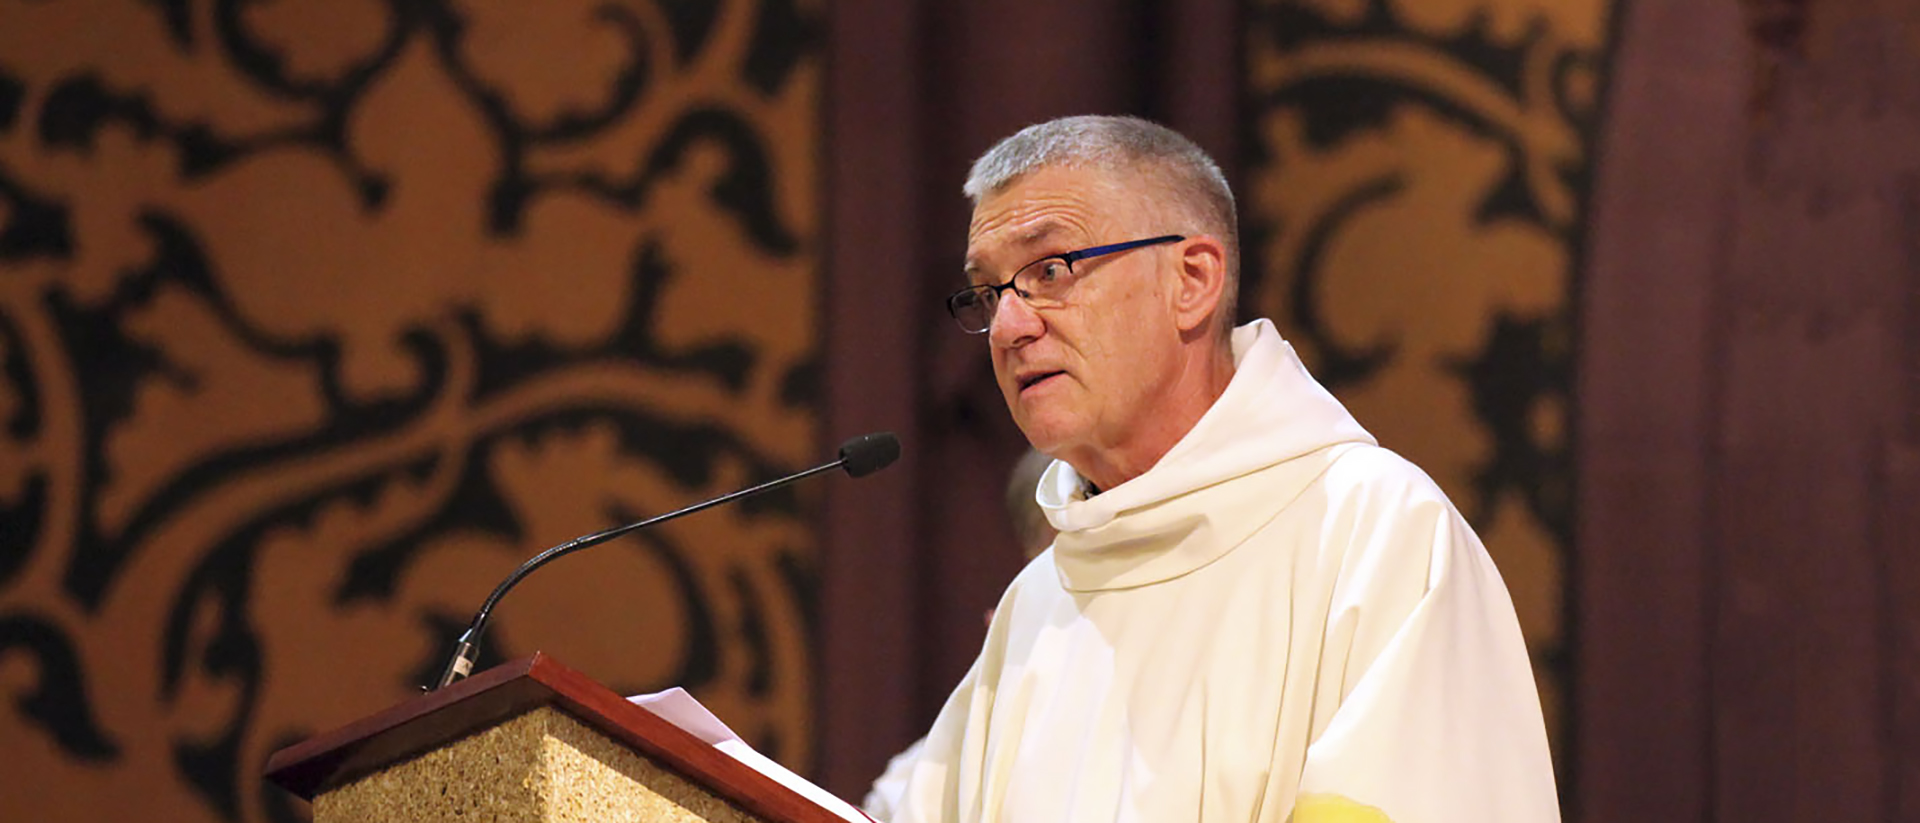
x: 860, y: 456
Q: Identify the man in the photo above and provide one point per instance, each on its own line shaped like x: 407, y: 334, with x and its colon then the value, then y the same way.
x: 1251, y: 612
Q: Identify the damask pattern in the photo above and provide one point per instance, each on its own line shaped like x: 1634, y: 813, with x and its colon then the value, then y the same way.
x: 317, y: 316
x: 1414, y: 214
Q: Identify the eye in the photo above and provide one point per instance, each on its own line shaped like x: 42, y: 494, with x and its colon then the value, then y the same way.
x: 1051, y: 271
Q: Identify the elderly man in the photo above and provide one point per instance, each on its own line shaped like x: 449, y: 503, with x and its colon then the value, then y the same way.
x: 1252, y: 611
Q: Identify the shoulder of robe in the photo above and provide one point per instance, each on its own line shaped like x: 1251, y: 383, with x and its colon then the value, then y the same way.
x: 1370, y: 480
x: 1384, y: 513
x: 1038, y: 575
x: 1036, y: 584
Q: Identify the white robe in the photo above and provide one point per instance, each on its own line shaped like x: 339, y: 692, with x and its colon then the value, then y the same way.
x: 1279, y: 621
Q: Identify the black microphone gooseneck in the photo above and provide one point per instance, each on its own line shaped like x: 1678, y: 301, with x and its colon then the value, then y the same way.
x: 860, y: 456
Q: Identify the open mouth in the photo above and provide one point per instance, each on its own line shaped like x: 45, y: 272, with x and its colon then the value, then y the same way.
x: 1037, y: 378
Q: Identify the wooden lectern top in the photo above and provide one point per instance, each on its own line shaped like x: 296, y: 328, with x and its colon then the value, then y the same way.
x: 499, y: 694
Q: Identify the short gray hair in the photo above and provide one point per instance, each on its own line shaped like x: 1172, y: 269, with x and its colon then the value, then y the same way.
x: 1124, y: 144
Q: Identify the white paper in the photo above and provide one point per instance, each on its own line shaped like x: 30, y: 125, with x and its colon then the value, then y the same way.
x: 679, y: 708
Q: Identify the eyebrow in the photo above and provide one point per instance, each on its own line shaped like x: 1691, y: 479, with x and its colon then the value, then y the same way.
x: 1030, y: 237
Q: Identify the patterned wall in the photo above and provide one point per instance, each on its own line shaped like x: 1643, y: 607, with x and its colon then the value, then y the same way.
x: 1414, y: 209
x: 317, y: 316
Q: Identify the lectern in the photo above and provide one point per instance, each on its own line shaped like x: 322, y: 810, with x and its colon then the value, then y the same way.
x: 532, y: 741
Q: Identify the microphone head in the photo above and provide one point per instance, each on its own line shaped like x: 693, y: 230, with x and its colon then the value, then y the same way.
x: 869, y: 453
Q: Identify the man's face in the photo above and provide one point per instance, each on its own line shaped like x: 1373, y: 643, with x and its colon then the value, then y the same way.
x: 1082, y: 377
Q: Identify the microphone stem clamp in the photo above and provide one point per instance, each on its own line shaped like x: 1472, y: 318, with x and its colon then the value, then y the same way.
x: 461, y: 663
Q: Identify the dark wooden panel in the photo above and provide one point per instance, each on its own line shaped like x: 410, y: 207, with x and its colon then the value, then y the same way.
x: 1812, y: 376
x: 1900, y: 548
x: 873, y: 316
x: 1806, y: 371
x: 1200, y: 90
x: 1899, y: 506
x: 1643, y: 575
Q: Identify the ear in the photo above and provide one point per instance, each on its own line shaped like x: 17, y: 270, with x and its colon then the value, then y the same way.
x: 1203, y: 278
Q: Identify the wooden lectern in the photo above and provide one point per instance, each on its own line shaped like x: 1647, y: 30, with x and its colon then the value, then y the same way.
x: 530, y: 740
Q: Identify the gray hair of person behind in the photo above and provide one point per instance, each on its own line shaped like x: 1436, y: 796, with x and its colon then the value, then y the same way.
x: 1124, y: 144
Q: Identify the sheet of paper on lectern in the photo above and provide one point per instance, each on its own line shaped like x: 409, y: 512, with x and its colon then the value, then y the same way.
x: 679, y: 708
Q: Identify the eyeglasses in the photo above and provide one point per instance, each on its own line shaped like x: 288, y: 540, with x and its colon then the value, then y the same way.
x: 1043, y: 283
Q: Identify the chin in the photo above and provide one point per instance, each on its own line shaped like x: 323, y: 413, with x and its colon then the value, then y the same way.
x: 1046, y: 434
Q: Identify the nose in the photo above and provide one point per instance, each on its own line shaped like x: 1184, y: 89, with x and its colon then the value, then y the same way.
x: 1014, y: 322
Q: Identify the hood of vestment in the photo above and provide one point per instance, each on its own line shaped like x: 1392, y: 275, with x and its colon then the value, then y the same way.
x: 1269, y: 436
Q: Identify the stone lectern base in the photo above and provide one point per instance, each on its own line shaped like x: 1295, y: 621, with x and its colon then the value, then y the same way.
x: 541, y: 767
x: 530, y: 741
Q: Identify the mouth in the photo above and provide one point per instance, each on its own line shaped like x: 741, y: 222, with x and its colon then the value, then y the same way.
x: 1028, y: 381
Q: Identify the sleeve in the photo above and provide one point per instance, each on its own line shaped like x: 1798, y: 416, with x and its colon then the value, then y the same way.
x: 1437, y: 719
x: 941, y: 784
x: 930, y: 787
x: 884, y: 796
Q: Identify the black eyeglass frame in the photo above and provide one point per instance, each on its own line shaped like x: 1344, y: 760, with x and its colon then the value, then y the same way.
x: 989, y: 291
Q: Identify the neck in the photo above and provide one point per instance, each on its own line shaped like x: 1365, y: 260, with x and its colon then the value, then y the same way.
x: 1190, y: 394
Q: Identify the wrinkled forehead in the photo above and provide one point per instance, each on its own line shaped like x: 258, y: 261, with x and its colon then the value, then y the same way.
x: 1048, y: 211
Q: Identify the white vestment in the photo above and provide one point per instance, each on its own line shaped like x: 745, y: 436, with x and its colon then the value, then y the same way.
x: 1279, y: 621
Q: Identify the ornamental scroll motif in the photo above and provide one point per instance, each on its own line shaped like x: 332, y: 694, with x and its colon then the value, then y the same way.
x: 1414, y: 212
x: 318, y: 317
